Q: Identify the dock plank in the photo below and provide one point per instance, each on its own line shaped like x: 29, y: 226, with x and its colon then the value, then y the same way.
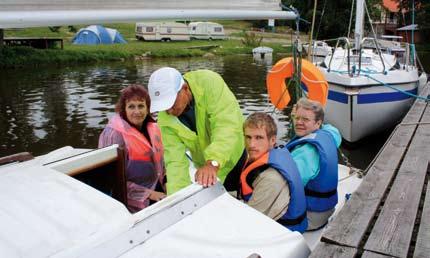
x: 350, y: 225
x: 333, y: 251
x: 368, y: 254
x: 393, y: 229
x: 417, y: 108
x: 422, y: 246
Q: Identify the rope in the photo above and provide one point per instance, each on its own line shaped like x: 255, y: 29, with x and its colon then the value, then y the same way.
x: 366, y: 73
x: 280, y: 98
x: 352, y: 170
x: 427, y: 99
x: 292, y: 9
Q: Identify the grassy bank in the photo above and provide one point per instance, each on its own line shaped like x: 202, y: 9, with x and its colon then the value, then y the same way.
x: 134, y: 49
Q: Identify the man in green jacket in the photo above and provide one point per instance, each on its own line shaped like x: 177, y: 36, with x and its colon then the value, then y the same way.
x: 199, y: 113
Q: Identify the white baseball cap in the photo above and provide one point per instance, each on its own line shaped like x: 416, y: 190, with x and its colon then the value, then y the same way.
x: 163, y: 86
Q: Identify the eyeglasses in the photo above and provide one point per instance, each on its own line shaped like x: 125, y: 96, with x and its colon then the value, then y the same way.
x: 303, y: 119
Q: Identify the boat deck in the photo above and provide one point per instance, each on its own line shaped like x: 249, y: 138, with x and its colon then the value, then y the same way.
x: 389, y: 214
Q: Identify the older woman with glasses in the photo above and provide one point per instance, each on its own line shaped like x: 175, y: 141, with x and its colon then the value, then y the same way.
x: 133, y: 128
x: 314, y: 149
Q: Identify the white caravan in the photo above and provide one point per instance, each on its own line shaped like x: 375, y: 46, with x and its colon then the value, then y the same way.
x: 162, y: 31
x: 206, y: 30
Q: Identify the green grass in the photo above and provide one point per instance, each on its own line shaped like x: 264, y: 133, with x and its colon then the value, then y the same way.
x: 134, y: 49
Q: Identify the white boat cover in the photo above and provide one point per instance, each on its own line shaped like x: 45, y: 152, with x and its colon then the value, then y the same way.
x: 224, y: 227
x: 45, y: 213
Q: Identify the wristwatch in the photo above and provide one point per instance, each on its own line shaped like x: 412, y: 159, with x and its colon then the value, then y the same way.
x: 214, y: 163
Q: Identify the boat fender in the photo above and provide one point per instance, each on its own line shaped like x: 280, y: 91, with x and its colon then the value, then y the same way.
x: 312, y: 78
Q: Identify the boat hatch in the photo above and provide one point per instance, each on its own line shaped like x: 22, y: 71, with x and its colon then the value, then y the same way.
x: 102, y: 169
x: 365, y: 60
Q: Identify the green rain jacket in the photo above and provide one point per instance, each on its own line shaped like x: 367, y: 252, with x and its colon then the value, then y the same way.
x: 219, y: 131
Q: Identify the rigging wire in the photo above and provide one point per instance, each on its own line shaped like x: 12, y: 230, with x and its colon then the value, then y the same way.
x: 312, y: 30
x: 321, y: 18
x: 350, y: 19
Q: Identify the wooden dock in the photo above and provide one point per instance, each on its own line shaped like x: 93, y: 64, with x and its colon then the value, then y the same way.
x: 36, y: 42
x: 389, y: 214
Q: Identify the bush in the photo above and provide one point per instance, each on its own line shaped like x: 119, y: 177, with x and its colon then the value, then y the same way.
x: 251, y: 39
x: 55, y: 29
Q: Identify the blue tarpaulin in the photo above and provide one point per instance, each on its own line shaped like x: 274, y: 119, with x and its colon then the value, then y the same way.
x: 97, y: 34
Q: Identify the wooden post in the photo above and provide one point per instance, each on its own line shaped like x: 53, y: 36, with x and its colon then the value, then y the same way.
x: 19, y: 157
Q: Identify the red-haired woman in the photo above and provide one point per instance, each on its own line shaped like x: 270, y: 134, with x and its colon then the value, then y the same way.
x: 133, y: 128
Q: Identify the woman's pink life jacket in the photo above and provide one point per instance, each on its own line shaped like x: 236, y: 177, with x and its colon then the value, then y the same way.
x: 145, y: 166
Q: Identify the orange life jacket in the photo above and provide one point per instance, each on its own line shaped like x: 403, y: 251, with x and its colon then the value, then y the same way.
x: 142, y: 156
x: 280, y: 159
x: 245, y: 188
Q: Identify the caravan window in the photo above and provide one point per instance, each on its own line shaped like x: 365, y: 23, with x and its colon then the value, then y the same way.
x: 149, y: 29
x: 169, y: 30
x: 218, y: 29
x: 193, y: 28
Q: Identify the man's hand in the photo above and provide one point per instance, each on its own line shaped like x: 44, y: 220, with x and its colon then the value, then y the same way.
x: 206, y: 175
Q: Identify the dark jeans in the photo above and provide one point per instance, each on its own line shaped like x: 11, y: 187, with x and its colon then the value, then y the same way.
x: 231, y: 182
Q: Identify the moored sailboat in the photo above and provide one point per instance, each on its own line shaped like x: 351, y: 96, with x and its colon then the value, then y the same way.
x: 369, y: 90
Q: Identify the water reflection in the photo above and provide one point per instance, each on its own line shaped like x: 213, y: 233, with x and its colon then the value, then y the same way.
x: 53, y: 107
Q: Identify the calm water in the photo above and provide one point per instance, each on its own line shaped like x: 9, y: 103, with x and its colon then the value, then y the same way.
x: 46, y: 108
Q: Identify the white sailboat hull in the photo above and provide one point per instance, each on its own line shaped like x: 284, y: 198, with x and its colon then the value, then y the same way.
x: 369, y: 103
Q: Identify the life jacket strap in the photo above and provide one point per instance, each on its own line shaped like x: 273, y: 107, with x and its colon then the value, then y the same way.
x: 312, y: 193
x: 250, y: 178
x: 291, y: 222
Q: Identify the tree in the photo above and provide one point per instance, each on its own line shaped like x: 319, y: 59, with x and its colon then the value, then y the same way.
x: 423, y: 19
x: 422, y: 15
x: 332, y: 17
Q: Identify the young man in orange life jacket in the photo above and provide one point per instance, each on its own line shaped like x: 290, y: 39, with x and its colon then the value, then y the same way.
x: 270, y: 182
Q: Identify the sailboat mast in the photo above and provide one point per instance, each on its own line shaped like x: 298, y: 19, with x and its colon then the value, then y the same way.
x: 359, y: 23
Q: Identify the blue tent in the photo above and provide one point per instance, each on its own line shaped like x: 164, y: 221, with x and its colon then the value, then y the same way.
x: 97, y: 34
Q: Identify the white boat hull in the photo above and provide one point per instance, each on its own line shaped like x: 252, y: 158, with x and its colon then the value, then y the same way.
x: 362, y: 106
